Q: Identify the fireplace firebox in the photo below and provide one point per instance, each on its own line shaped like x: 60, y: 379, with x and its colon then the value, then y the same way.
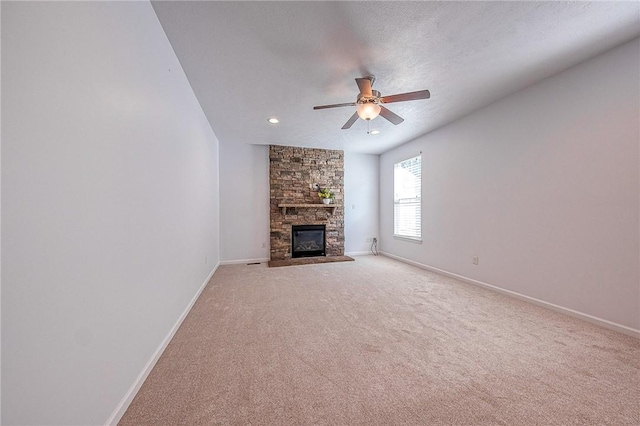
x: 308, y: 240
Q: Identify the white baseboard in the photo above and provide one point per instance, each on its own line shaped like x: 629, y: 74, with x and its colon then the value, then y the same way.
x: 358, y: 253
x: 576, y: 314
x: 137, y: 384
x: 245, y: 261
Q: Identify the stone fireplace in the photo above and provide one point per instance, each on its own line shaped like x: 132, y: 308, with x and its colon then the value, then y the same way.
x: 295, y: 174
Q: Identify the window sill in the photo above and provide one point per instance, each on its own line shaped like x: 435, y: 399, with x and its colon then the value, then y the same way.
x: 410, y: 239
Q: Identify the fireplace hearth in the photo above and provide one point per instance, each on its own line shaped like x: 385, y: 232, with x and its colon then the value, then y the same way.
x: 308, y: 240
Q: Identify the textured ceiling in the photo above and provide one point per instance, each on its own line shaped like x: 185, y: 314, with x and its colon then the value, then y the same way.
x: 248, y: 61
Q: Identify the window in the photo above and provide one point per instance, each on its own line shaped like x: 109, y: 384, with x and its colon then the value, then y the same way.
x: 407, y: 207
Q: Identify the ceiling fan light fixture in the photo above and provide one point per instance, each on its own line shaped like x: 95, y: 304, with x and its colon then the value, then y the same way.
x: 368, y: 110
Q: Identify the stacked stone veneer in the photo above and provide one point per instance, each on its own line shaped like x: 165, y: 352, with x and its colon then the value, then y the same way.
x: 292, y: 173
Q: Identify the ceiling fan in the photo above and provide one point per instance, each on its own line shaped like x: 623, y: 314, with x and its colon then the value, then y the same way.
x: 369, y: 100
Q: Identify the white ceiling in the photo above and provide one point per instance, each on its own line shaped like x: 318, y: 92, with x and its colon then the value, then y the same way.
x: 248, y: 61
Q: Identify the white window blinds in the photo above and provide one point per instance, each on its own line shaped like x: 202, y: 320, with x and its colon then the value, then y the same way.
x: 407, y: 206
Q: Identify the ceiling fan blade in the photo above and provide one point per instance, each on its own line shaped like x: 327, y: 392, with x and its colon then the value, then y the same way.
x: 410, y: 96
x: 391, y: 116
x: 364, y: 84
x: 335, y: 105
x: 350, y: 122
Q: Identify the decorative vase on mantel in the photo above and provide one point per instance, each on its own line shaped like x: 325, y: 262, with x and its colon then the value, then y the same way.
x: 325, y: 195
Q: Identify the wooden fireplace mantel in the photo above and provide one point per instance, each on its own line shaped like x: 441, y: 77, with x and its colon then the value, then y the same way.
x: 284, y: 207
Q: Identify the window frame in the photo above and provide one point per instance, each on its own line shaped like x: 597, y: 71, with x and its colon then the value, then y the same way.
x: 396, y: 204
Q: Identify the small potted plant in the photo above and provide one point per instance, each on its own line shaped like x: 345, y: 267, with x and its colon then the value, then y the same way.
x: 325, y: 195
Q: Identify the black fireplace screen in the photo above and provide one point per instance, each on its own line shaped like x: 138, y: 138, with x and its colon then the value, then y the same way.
x: 308, y: 240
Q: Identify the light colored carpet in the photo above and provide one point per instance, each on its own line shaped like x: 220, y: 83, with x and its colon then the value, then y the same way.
x: 378, y: 342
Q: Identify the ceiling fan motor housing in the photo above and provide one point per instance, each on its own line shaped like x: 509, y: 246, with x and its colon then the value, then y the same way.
x: 365, y: 99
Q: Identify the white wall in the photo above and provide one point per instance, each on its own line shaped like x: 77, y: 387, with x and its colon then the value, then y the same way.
x: 109, y: 206
x: 0, y: 223
x: 244, y: 208
x: 543, y: 186
x: 361, y: 202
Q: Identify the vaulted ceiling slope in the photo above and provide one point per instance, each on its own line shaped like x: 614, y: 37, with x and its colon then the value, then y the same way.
x: 248, y: 61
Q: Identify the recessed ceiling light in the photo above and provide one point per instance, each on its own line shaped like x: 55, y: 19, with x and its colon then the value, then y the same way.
x: 374, y: 132
x: 273, y: 120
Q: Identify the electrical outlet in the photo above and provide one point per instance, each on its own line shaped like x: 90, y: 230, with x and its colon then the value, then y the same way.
x: 476, y: 260
x: 206, y: 260
x: 264, y: 245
